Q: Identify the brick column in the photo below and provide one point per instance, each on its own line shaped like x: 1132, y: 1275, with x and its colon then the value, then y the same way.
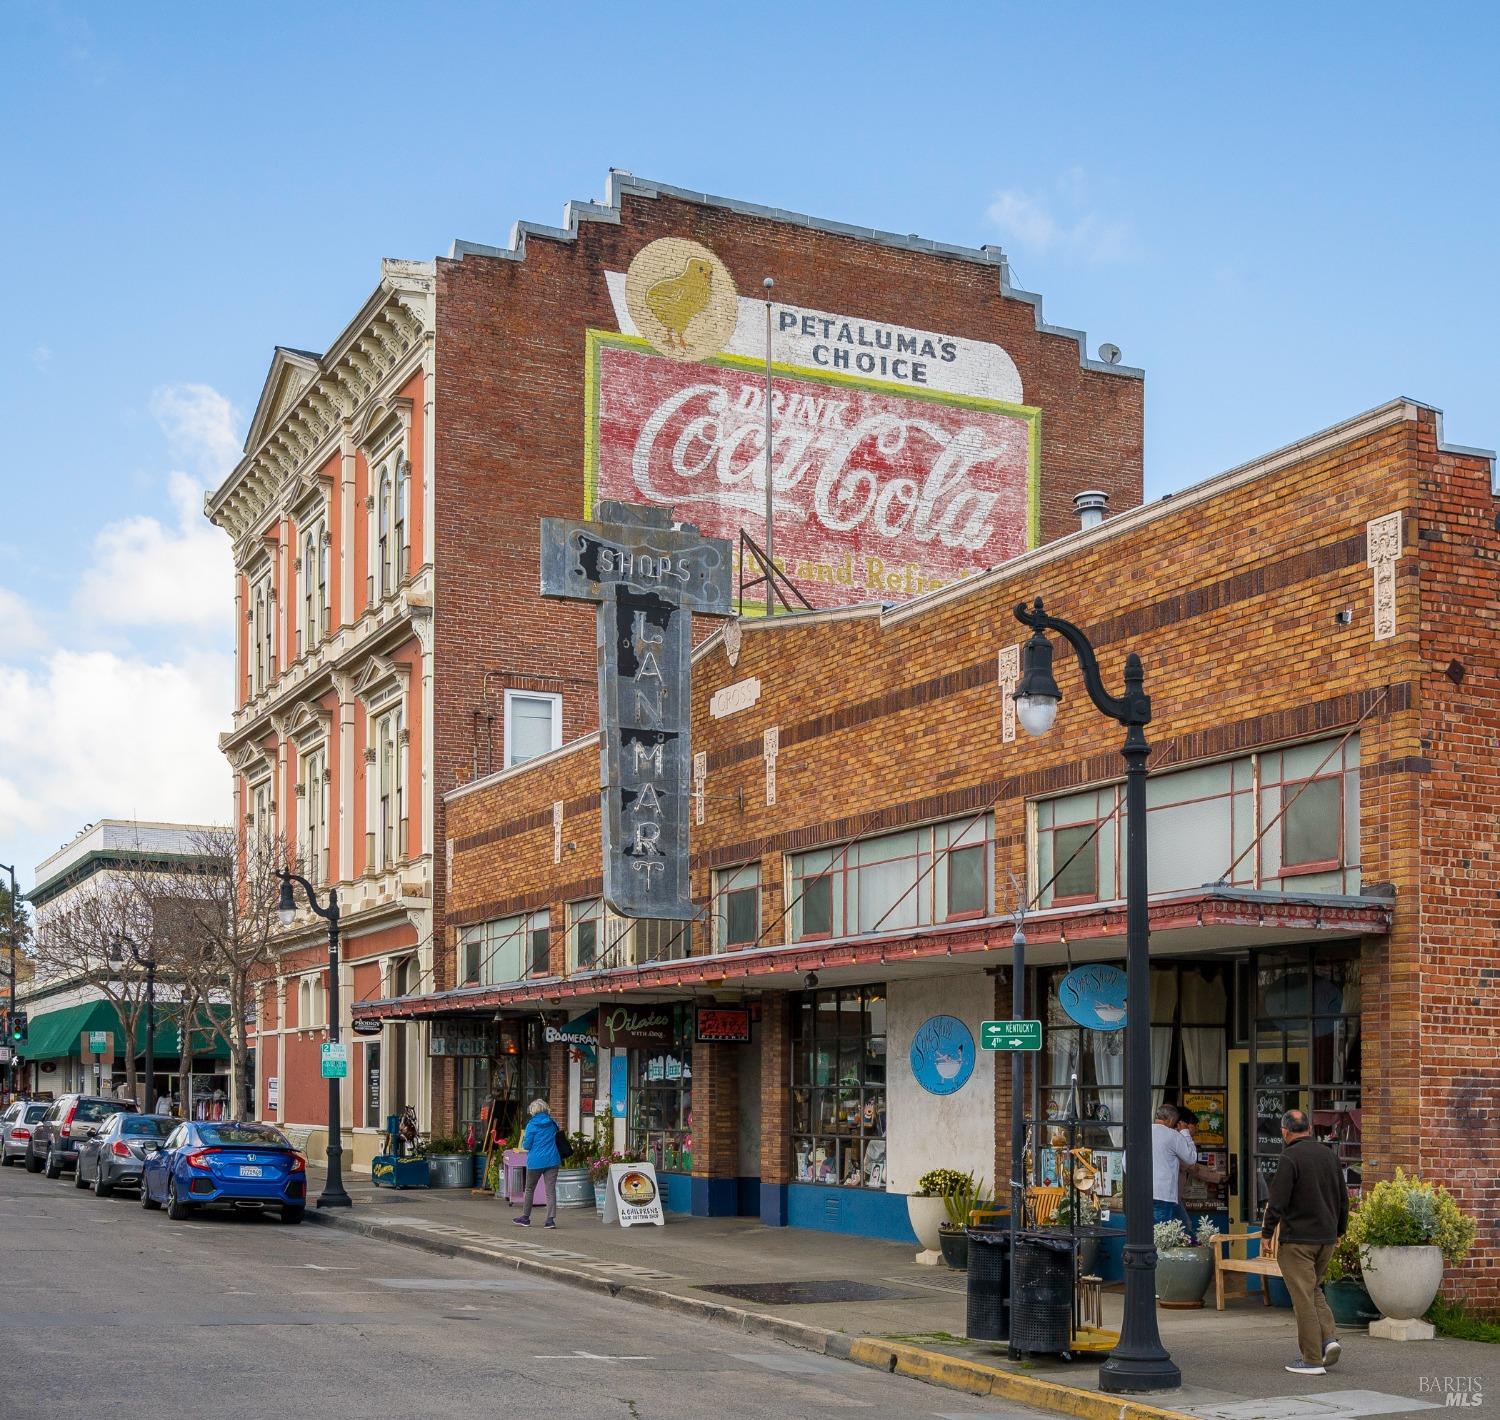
x: 775, y: 1108
x: 716, y: 1130
x: 557, y: 1082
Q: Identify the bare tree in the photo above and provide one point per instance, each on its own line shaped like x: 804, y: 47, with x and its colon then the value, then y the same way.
x: 77, y: 945
x: 226, y: 908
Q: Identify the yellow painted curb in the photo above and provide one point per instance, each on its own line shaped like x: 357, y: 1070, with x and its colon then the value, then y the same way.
x: 979, y: 1379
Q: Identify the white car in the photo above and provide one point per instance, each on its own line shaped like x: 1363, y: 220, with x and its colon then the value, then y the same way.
x: 15, y: 1129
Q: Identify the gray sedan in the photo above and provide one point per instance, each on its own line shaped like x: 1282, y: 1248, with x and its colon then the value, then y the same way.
x: 15, y: 1129
x: 113, y: 1158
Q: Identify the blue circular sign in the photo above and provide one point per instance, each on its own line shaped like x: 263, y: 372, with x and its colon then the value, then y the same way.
x: 942, y: 1055
x: 1094, y: 996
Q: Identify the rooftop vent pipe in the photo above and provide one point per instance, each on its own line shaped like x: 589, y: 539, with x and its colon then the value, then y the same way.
x: 1093, y: 507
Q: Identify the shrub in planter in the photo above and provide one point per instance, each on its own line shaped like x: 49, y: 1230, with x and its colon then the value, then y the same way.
x: 1183, y: 1271
x: 1344, y: 1287
x: 1404, y: 1231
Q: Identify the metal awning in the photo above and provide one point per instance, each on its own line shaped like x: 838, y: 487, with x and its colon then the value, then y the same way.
x: 1211, y: 919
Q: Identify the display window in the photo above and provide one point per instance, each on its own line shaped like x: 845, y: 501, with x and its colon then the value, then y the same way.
x: 661, y: 1097
x: 839, y: 1087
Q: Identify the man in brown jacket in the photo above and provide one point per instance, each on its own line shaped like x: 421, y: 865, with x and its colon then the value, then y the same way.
x: 1309, y: 1203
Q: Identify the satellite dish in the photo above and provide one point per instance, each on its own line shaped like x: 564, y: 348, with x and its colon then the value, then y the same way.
x: 1110, y: 354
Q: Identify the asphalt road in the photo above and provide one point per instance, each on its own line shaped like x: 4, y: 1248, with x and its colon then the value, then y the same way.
x: 108, y: 1309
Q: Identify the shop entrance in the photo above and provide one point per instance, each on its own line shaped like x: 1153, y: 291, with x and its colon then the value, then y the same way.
x: 1303, y: 1053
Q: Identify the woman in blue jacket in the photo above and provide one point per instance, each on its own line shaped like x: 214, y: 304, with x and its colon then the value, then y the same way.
x: 542, y: 1161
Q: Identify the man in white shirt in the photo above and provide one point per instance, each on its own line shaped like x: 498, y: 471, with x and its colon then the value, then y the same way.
x: 1171, y: 1148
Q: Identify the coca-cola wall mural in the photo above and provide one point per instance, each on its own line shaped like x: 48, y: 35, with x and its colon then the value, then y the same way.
x: 904, y: 459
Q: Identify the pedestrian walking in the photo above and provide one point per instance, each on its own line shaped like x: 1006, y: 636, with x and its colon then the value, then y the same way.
x: 543, y: 1159
x: 1306, y: 1215
x: 1172, y: 1149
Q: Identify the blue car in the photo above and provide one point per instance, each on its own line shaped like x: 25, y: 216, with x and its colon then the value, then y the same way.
x: 249, y: 1166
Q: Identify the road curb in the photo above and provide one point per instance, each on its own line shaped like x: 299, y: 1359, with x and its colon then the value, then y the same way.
x: 894, y: 1358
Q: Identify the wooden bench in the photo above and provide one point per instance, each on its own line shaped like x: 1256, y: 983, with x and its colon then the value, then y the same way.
x: 1223, y: 1262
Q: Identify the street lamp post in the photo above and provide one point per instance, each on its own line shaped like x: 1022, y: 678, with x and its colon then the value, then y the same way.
x: 1140, y: 1362
x: 10, y: 1064
x: 148, y: 961
x: 333, y: 1194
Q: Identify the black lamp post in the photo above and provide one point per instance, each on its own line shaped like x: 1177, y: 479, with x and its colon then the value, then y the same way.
x: 117, y: 954
x: 333, y: 1195
x: 10, y: 1065
x: 1140, y: 1362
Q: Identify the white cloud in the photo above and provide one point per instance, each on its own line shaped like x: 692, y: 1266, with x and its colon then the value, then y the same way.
x: 19, y: 630
x: 1062, y: 223
x: 90, y: 735
x: 146, y: 572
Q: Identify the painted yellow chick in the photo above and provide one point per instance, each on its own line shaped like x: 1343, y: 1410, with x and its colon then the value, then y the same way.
x: 675, y: 300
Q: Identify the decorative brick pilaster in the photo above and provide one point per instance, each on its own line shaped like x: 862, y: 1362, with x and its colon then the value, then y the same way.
x: 775, y: 1107
x: 557, y: 1081
x: 716, y: 1128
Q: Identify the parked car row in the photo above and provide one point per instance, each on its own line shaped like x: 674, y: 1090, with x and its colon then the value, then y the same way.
x: 108, y: 1144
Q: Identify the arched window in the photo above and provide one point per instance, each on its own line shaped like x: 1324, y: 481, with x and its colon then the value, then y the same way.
x: 384, y: 557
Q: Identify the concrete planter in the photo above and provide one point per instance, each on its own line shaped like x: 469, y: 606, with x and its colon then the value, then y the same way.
x: 1402, y: 1281
x: 927, y: 1215
x: 1183, y: 1275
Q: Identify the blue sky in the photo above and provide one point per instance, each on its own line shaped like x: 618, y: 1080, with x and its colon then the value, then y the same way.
x: 1284, y: 213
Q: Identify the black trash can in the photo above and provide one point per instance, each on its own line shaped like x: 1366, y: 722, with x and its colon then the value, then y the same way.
x: 1042, y: 1295
x: 988, y: 1285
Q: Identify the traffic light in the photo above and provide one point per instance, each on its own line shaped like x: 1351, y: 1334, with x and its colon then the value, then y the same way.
x: 18, y: 1028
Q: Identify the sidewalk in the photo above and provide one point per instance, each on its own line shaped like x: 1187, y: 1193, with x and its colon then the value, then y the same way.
x: 869, y: 1301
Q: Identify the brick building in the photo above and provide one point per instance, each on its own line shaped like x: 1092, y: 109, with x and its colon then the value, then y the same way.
x: 928, y: 425
x: 1319, y: 636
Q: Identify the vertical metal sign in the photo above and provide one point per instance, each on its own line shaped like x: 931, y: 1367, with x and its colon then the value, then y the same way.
x: 647, y: 577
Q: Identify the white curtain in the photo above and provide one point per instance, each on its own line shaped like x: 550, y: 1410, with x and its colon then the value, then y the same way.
x: 1203, y: 1054
x: 1109, y: 1070
x: 1161, y: 1057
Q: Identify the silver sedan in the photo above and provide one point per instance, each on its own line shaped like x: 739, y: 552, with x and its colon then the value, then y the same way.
x: 15, y: 1129
x: 114, y: 1157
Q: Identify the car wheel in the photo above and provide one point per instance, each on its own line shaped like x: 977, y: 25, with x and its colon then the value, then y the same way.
x: 33, y: 1164
x: 78, y: 1179
x: 177, y: 1210
x: 53, y: 1168
x: 5, y: 1160
x: 147, y: 1201
x: 102, y: 1189
x: 292, y: 1215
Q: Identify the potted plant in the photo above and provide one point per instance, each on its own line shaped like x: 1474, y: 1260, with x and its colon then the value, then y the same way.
x: 573, y: 1177
x: 1344, y: 1287
x: 953, y: 1236
x: 1405, y: 1230
x: 451, y: 1162
x: 1183, y: 1270
x: 927, y: 1209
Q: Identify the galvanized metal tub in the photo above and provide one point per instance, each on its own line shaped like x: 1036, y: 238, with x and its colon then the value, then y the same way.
x: 574, y: 1189
x: 451, y: 1170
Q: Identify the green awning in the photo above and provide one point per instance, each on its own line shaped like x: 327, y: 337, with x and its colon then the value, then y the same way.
x: 54, y: 1035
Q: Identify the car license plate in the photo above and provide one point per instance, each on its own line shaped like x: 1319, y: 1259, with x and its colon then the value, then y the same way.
x: 251, y: 1171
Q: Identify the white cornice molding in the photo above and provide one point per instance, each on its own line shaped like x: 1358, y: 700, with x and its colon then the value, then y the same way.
x: 388, y: 337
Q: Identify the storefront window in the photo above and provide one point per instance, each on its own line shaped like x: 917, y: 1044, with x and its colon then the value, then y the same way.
x: 1189, y: 1040
x: 661, y: 1097
x: 839, y: 1087
x: 938, y: 873
x: 1209, y: 824
x: 476, y: 1087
